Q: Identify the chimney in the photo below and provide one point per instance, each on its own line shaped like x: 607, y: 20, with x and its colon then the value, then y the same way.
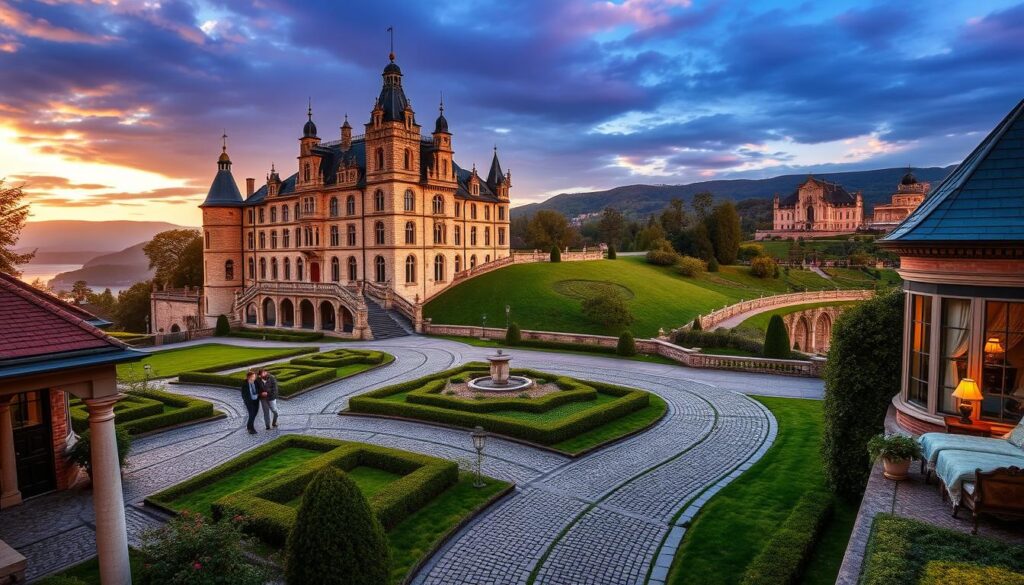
x: 250, y: 186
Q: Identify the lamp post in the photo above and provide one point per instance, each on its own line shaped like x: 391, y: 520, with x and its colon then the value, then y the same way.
x: 508, y: 311
x: 479, y: 437
x: 483, y: 326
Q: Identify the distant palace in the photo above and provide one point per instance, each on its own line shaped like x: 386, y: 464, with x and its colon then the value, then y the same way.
x: 388, y: 212
x: 821, y: 208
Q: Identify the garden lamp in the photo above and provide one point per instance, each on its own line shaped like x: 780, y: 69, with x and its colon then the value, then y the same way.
x: 479, y: 437
x: 967, y: 391
x: 508, y: 311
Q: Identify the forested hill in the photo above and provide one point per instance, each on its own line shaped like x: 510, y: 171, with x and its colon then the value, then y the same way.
x: 877, y: 186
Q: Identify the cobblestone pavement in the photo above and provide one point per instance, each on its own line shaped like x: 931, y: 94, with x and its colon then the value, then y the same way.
x: 602, y: 518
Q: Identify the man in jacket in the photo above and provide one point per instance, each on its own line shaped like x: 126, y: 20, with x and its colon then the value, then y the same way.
x: 251, y: 398
x: 268, y: 397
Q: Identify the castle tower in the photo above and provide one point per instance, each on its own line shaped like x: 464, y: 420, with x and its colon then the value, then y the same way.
x: 309, y: 163
x: 496, y: 180
x: 392, y: 135
x: 223, y: 264
x: 441, y: 167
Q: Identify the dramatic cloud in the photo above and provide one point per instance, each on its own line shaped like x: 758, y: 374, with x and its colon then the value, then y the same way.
x: 111, y: 104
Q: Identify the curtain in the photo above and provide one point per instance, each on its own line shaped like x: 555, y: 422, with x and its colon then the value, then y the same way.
x: 957, y: 339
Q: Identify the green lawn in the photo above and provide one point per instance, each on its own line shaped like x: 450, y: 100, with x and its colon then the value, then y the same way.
x: 617, y: 428
x: 369, y: 480
x: 175, y: 361
x: 732, y: 527
x: 89, y: 571
x: 760, y: 321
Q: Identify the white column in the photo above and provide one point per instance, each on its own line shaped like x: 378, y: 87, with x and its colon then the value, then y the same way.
x: 107, y: 498
x: 10, y: 496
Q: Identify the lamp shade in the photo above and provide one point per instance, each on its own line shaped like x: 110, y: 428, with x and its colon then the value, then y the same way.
x: 967, y: 389
x: 994, y: 345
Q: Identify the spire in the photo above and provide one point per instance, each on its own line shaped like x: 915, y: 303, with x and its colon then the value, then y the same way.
x: 495, y: 177
x: 309, y: 130
x: 224, y: 161
x: 223, y: 191
x: 346, y: 124
x: 441, y: 125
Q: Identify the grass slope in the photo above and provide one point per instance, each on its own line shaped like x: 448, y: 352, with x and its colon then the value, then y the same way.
x: 175, y: 361
x: 733, y: 526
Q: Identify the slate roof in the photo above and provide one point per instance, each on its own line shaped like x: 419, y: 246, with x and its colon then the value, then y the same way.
x: 495, y: 177
x: 35, y: 324
x: 223, y: 191
x: 833, y: 193
x: 982, y: 199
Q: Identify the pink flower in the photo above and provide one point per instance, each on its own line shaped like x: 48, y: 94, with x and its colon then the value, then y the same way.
x: 197, y: 565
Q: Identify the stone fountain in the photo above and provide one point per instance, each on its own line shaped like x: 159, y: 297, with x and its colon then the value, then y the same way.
x: 500, y: 380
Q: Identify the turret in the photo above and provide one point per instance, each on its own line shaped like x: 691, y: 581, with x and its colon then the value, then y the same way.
x: 496, y: 179
x: 309, y: 163
x: 442, y: 168
x: 346, y: 135
x: 223, y: 268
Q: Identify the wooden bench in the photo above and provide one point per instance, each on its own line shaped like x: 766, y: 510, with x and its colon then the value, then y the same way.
x: 997, y: 492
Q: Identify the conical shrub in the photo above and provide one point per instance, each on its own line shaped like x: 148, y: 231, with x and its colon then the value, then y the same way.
x: 776, y: 339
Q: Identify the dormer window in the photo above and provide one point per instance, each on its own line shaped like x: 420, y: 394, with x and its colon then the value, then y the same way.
x: 476, y: 189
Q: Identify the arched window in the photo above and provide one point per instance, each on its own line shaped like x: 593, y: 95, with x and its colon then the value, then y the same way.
x: 351, y: 231
x: 410, y: 200
x: 472, y: 211
x: 487, y: 212
x: 501, y: 236
x: 487, y: 258
x: 439, y: 275
x: 252, y: 240
x: 378, y: 200
x: 439, y: 233
x: 273, y: 214
x: 378, y: 233
x: 410, y: 269
x: 380, y: 159
x: 298, y: 237
x: 298, y: 213
x: 273, y: 268
x: 458, y: 237
x: 407, y: 160
x: 262, y: 215
x: 287, y: 269
x: 263, y: 240
x: 472, y: 261
x: 273, y: 239
x: 472, y: 236
x: 284, y: 213
x: 263, y: 268
x: 410, y: 232
x: 335, y: 236
x: 252, y: 268
x: 316, y: 238
x: 458, y: 263
x: 335, y: 270
x: 307, y: 172
x: 333, y: 207
x: 487, y: 236
x: 458, y: 209
x: 350, y: 205
x: 353, y: 269
x: 438, y: 205
x: 380, y: 273
x: 445, y: 174
x: 298, y: 269
x: 286, y: 237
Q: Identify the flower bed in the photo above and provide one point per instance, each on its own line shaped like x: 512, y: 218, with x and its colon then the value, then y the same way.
x: 150, y: 410
x: 301, y: 373
x: 579, y: 407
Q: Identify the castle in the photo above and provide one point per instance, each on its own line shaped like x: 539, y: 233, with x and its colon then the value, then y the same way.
x: 386, y: 214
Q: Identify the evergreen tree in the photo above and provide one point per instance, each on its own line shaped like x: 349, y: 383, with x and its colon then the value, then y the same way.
x: 696, y: 325
x: 223, y: 326
x: 13, y: 214
x: 556, y: 254
x: 513, y: 336
x: 724, y: 231
x: 611, y: 252
x: 776, y: 339
x: 626, y: 345
x: 611, y: 226
x: 673, y: 219
x: 337, y: 539
x: 133, y: 307
x: 548, y: 228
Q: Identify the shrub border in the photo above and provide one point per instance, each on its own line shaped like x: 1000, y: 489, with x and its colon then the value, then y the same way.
x: 191, y: 410
x: 785, y: 555
x: 269, y: 334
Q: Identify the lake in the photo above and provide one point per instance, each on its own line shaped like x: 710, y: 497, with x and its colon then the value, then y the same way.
x: 46, y: 272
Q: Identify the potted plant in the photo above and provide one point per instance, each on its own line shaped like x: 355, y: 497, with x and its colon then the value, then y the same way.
x: 896, y: 452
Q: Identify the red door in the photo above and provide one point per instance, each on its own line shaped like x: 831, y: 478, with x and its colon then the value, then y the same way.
x: 314, y: 272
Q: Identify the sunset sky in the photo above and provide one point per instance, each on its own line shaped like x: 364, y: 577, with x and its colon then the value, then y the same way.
x: 114, y: 109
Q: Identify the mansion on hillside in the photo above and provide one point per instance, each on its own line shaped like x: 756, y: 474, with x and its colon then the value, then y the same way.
x: 825, y: 208
x: 386, y: 214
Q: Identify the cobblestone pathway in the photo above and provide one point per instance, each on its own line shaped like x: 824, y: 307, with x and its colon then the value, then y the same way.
x: 613, y: 516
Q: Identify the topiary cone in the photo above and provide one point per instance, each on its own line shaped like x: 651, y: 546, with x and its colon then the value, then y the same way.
x: 337, y: 539
x: 776, y: 339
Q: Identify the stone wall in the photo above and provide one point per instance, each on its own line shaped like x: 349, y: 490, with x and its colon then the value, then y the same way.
x: 180, y: 307
x: 711, y: 320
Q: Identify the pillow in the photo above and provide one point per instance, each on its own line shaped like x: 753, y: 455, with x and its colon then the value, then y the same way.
x: 1016, y: 437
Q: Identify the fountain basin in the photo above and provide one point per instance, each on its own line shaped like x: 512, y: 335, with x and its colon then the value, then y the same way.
x: 490, y: 384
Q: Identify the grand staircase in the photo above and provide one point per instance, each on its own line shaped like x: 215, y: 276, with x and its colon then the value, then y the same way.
x: 386, y: 324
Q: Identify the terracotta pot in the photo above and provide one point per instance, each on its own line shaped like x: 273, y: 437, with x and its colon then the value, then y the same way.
x: 895, y: 470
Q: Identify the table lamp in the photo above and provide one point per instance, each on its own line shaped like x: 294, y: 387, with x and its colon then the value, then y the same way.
x: 967, y: 391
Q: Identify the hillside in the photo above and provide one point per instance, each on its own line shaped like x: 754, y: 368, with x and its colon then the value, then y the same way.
x: 100, y: 236
x: 877, y: 186
x: 119, y: 269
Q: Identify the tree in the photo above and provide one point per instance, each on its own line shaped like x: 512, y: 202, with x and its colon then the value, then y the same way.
x: 861, y: 377
x: 337, y: 538
x: 177, y: 257
x: 713, y: 265
x: 696, y: 242
x: 13, y: 214
x: 626, y: 345
x: 673, y: 219
x: 40, y: 284
x: 223, y: 326
x: 776, y: 339
x: 724, y: 231
x: 80, y: 290
x: 513, y: 336
x: 647, y: 237
x: 556, y: 254
x: 133, y: 307
x: 611, y: 226
x: 517, y: 232
x: 105, y: 301
x: 701, y: 204
x: 609, y: 309
x: 662, y: 254
x: 611, y: 252
x: 764, y: 267
x: 548, y: 228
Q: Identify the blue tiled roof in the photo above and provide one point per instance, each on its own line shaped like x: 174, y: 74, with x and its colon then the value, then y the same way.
x: 223, y: 191
x: 982, y: 200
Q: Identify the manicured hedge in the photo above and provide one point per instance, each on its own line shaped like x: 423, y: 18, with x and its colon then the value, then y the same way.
x: 144, y: 412
x: 784, y: 556
x: 290, y: 378
x: 277, y: 334
x: 900, y: 550
x: 284, y: 353
x: 338, y: 358
x: 544, y: 433
x: 571, y: 391
x: 717, y: 338
x: 264, y: 504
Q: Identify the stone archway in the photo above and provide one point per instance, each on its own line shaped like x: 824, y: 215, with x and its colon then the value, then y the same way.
x: 801, y: 336
x: 822, y: 332
x: 307, y: 314
x: 287, y: 313
x: 269, y: 312
x: 347, y: 321
x: 327, y: 316
x: 250, y: 314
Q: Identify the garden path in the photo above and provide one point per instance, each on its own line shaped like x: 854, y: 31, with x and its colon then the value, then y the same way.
x: 615, y: 515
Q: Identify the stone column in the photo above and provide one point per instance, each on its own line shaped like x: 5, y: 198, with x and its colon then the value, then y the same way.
x: 317, y: 325
x: 107, y: 498
x: 10, y: 496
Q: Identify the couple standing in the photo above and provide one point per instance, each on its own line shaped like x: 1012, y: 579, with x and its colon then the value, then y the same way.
x: 257, y: 391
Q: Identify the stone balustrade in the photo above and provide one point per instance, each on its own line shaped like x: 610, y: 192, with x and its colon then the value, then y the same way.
x: 711, y: 320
